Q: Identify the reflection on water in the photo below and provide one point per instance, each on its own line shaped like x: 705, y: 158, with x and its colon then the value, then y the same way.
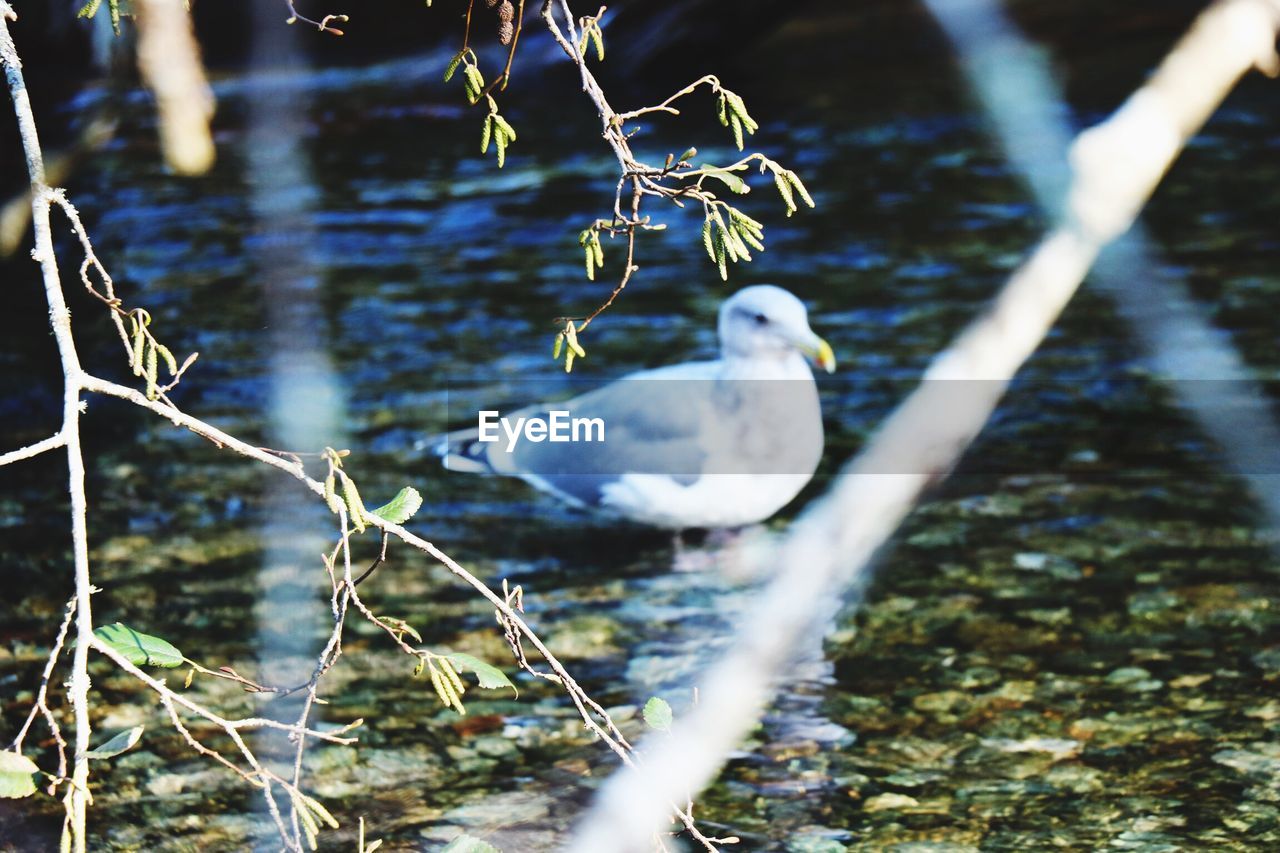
x: 1071, y: 643
x: 304, y: 397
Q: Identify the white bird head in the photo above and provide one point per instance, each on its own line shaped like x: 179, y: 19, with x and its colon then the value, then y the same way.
x: 764, y: 321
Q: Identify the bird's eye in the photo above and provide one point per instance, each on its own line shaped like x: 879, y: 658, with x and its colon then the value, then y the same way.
x: 761, y: 320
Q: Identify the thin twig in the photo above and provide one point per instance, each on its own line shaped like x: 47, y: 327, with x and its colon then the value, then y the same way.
x: 466, y: 30
x: 515, y: 40
x: 322, y: 25
x: 41, y: 704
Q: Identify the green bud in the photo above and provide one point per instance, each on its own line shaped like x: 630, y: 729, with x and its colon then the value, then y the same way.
x: 794, y: 180
x: 153, y: 372
x: 169, y: 360
x: 355, y: 506
x: 506, y: 128
x: 784, y: 190
x: 452, y: 67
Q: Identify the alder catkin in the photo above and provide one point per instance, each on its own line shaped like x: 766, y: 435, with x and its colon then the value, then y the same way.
x: 506, y: 12
x: 506, y: 30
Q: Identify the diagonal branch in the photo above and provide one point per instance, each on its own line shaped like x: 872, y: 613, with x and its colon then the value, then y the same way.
x: 830, y: 546
x: 53, y: 442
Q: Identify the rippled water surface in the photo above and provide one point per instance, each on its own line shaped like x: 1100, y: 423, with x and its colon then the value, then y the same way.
x: 1072, y: 644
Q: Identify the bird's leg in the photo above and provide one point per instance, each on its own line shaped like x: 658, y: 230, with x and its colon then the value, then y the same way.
x: 677, y: 543
x: 724, y: 537
x: 745, y: 554
x: 687, y: 559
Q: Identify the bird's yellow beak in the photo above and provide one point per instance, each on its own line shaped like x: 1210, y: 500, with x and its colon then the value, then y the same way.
x: 819, y: 352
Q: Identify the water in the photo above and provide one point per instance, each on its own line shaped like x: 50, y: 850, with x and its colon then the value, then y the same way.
x: 1072, y: 643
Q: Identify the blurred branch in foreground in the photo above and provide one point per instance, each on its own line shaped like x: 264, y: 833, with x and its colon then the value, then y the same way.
x: 169, y: 61
x: 1181, y: 344
x: 1117, y: 166
x: 15, y: 215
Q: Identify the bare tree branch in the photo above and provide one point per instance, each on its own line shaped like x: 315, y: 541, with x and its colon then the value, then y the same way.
x: 60, y: 319
x: 53, y: 442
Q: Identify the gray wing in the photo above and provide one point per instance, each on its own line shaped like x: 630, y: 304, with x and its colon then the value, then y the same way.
x: 682, y: 422
x: 649, y: 426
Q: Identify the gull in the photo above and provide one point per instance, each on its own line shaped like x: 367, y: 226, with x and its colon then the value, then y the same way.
x: 706, y: 444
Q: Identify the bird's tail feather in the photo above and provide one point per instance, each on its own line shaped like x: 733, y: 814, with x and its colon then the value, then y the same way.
x: 462, y: 451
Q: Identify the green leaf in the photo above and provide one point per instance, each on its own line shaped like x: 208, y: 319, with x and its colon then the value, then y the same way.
x: 17, y: 775
x: 657, y: 714
x: 402, y: 507
x: 487, y: 675
x: 467, y: 844
x: 122, y: 742
x: 140, y: 649
x: 729, y: 179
